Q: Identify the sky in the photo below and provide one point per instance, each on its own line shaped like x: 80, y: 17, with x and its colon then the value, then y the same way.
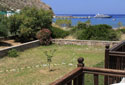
x: 87, y: 6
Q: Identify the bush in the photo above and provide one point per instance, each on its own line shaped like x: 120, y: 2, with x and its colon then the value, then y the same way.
x: 75, y: 31
x: 121, y: 30
x: 98, y: 32
x: 3, y: 30
x: 13, y: 53
x: 3, y: 26
x: 44, y: 36
x: 64, y: 22
x: 28, y: 22
x: 58, y: 33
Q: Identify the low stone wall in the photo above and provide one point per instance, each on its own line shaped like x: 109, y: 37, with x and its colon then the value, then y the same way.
x: 84, y: 42
x: 22, y: 47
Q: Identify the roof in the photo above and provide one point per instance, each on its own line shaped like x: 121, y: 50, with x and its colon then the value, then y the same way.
x: 3, y: 13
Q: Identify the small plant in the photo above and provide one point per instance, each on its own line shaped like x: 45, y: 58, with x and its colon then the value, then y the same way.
x: 13, y: 53
x: 44, y: 36
x: 49, y: 55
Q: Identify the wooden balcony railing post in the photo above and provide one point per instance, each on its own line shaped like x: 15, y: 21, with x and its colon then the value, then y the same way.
x: 81, y: 76
x: 96, y: 79
x: 106, y: 62
x: 80, y: 62
x: 111, y: 80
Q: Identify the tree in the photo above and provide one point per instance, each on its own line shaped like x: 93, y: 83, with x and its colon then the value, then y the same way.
x: 3, y: 26
x: 49, y: 55
x: 28, y: 22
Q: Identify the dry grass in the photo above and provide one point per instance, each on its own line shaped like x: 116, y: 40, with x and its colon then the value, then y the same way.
x: 41, y: 76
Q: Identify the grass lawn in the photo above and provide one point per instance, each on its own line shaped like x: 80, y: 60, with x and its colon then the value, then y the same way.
x: 29, y: 68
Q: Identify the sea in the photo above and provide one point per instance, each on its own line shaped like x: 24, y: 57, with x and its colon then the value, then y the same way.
x: 116, y: 18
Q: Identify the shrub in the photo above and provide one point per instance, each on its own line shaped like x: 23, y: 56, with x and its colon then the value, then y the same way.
x: 28, y: 22
x: 3, y: 26
x: 13, y: 53
x: 44, y: 36
x: 3, y: 30
x: 121, y: 30
x: 64, y: 22
x: 98, y: 32
x: 59, y: 33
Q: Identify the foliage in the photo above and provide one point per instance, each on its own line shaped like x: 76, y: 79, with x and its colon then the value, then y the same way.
x: 64, y: 22
x: 49, y: 55
x: 121, y: 30
x: 75, y: 31
x: 81, y: 25
x: 95, y: 32
x: 28, y: 22
x: 13, y: 53
x: 59, y: 33
x: 120, y: 24
x: 3, y: 26
x: 44, y: 36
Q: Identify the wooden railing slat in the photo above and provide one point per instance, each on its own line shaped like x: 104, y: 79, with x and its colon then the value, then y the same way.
x: 110, y: 80
x: 96, y: 79
x: 81, y: 79
x: 75, y: 81
x: 69, y: 83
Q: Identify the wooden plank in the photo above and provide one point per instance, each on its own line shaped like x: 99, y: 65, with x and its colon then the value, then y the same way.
x: 110, y: 80
x: 117, y: 52
x: 118, y: 55
x: 105, y: 80
x: 75, y: 81
x: 103, y: 71
x: 116, y: 47
x: 69, y: 83
x: 81, y: 79
x: 96, y: 79
x: 107, y: 59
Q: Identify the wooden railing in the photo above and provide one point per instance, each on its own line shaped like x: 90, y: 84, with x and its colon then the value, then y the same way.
x: 76, y: 77
x: 115, y: 59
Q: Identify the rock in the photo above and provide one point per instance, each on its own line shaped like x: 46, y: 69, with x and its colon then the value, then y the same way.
x: 19, y: 4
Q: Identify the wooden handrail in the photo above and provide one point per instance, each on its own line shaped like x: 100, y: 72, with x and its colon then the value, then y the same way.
x: 89, y: 70
x: 77, y: 75
x: 103, y: 71
x: 116, y: 47
x: 68, y: 77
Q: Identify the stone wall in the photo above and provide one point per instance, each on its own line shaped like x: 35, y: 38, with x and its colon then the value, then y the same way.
x: 36, y: 43
x: 22, y: 47
x: 84, y: 42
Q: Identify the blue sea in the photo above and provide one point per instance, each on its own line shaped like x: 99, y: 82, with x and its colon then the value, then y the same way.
x: 116, y: 18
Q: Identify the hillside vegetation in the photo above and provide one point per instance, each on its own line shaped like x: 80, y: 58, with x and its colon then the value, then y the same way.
x: 19, y: 4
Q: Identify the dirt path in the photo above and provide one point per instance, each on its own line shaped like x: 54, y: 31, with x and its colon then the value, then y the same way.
x: 8, y: 43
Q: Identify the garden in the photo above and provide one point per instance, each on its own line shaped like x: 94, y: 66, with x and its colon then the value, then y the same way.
x: 31, y: 67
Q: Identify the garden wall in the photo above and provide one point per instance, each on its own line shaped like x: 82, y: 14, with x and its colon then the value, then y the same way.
x: 36, y: 43
x: 22, y: 47
x: 84, y: 42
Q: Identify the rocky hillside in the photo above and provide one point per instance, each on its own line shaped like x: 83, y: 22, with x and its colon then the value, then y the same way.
x: 19, y: 4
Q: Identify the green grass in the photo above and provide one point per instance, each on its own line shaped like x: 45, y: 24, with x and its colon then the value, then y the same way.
x: 93, y: 55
